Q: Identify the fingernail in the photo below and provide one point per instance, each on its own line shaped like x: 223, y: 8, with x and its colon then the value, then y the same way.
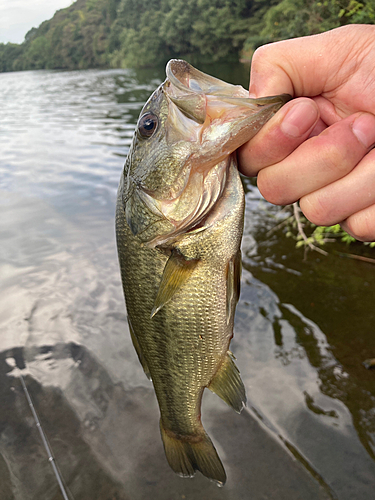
x: 300, y: 119
x: 364, y: 129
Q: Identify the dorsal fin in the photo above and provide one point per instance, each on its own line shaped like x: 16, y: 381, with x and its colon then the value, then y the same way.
x: 176, y: 272
x: 234, y: 269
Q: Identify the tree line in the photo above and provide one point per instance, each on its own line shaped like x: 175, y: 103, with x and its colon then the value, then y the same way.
x: 134, y: 33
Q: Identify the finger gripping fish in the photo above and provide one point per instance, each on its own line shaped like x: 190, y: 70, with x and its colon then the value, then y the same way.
x: 179, y: 222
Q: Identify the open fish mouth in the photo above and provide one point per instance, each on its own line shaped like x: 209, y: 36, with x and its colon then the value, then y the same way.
x: 199, y: 95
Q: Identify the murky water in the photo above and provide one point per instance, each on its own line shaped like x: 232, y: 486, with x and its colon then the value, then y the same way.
x: 302, y: 328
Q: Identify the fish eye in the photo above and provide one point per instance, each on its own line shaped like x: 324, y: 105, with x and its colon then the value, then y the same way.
x: 147, y: 125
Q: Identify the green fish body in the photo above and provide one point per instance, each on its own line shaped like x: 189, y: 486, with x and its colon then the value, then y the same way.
x: 179, y: 223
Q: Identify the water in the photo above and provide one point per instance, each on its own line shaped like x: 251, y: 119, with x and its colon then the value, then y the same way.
x: 302, y: 328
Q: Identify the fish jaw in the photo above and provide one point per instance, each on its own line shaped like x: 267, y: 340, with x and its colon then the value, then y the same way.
x: 217, y: 116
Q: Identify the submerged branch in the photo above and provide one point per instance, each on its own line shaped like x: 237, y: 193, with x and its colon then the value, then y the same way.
x: 356, y: 257
x: 278, y: 226
x: 301, y: 232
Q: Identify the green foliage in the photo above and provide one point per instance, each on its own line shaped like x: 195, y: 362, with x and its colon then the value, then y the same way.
x: 294, y: 18
x: 219, y: 31
x: 312, y: 237
x: 9, y: 53
x: 324, y: 234
x: 193, y: 29
x: 121, y: 33
x: 76, y: 37
x: 140, y: 46
x: 37, y: 53
x: 310, y: 234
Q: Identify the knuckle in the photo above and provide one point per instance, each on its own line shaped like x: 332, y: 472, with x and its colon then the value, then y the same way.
x: 260, y: 54
x: 336, y: 159
x: 266, y: 56
x: 337, y: 150
x: 316, y: 209
x: 247, y: 161
x: 272, y: 190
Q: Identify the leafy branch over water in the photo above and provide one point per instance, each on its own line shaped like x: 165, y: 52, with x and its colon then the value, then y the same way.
x: 312, y: 237
x: 123, y: 33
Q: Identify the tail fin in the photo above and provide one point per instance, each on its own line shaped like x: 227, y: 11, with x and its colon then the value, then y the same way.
x: 186, y: 454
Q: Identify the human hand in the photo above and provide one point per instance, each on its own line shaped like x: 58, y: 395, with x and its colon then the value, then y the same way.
x: 318, y: 148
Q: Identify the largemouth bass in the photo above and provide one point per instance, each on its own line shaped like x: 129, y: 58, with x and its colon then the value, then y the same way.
x: 179, y: 222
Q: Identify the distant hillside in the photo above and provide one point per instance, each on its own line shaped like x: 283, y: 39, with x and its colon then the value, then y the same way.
x: 121, y: 33
x: 76, y: 37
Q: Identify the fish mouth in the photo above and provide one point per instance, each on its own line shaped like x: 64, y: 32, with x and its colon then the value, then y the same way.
x: 200, y: 96
x: 190, y: 89
x: 186, y: 78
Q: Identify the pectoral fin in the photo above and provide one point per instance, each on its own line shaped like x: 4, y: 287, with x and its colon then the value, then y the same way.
x: 176, y: 272
x: 227, y: 384
x: 138, y: 350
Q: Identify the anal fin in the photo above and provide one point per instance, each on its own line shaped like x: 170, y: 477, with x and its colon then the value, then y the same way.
x: 176, y: 272
x: 227, y: 384
x: 138, y: 350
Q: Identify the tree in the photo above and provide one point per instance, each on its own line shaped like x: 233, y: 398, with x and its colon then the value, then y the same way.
x: 9, y: 53
x: 37, y: 54
x: 122, y: 33
x: 293, y: 18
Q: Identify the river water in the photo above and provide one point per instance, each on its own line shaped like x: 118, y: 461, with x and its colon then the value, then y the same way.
x: 302, y: 330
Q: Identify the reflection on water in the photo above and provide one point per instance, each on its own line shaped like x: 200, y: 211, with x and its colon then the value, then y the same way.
x: 302, y: 328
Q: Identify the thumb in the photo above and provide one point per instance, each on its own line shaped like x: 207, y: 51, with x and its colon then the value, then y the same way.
x: 302, y: 66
